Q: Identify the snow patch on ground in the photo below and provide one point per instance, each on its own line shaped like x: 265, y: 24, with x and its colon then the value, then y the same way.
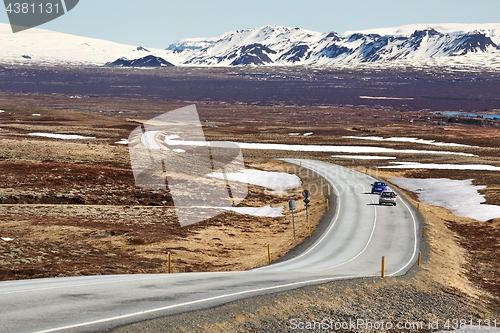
x: 278, y: 182
x: 308, y: 134
x: 2, y: 111
x: 122, y: 142
x: 62, y: 136
x: 365, y: 157
x: 6, y: 239
x: 171, y: 137
x: 388, y: 98
x: 459, y: 196
x: 404, y: 139
x: 266, y: 211
x: 178, y: 151
x: 416, y: 165
x: 317, y: 148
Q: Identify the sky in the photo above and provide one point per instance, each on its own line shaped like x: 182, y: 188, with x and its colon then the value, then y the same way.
x: 159, y: 23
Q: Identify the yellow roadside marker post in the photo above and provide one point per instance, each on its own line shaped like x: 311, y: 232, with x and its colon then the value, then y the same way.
x: 268, y: 254
x: 383, y: 268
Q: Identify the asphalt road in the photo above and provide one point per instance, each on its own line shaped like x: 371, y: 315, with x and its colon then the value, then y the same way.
x: 360, y: 233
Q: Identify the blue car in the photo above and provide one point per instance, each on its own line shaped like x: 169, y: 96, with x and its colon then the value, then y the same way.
x: 378, y: 187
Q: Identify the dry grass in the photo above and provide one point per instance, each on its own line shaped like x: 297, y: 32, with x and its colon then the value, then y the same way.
x: 64, y: 240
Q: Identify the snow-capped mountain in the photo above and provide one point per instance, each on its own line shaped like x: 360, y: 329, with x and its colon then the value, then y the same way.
x: 44, y: 47
x: 432, y: 44
x: 270, y: 45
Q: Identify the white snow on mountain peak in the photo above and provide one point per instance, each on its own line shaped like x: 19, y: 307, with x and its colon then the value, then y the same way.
x: 283, y: 46
x: 491, y: 30
x: 475, y: 45
x: 45, y: 47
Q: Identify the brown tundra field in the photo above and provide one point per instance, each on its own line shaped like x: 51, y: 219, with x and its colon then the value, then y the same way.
x: 71, y: 207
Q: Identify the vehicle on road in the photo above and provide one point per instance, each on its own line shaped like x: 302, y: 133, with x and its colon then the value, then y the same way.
x: 387, y: 196
x: 378, y: 187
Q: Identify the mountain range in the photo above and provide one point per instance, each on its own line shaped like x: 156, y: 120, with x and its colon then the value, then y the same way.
x: 445, y: 44
x: 271, y: 45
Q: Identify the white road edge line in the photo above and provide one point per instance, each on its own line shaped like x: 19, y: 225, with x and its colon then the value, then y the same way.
x: 192, y: 303
x: 369, y: 239
x: 415, y: 244
x: 325, y: 233
x: 331, y: 226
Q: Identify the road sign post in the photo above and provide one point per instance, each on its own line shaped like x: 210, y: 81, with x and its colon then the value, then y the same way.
x: 307, y: 220
x: 306, y: 195
x: 291, y: 205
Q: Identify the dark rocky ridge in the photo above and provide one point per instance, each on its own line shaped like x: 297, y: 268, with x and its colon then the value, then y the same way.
x: 147, y: 61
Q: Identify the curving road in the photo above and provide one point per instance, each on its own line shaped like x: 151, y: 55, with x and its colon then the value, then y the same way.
x: 360, y: 233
